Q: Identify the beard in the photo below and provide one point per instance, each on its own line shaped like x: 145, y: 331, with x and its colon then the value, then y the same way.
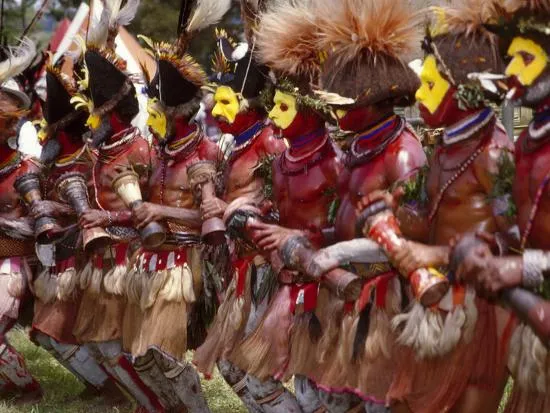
x: 102, y: 133
x: 535, y: 94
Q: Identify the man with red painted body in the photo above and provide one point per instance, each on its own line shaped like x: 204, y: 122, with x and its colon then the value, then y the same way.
x: 239, y: 111
x: 118, y: 147
x: 383, y: 154
x: 456, y: 360
x: 17, y: 235
x: 305, y: 179
x: 525, y: 25
x: 57, y: 296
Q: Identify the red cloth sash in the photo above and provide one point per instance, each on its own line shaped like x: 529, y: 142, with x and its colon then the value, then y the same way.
x: 162, y: 260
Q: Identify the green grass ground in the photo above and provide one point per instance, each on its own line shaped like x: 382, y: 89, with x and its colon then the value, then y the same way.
x: 61, y: 388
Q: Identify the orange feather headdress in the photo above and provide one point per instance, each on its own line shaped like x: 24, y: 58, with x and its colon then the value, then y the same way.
x: 459, y: 39
x: 368, y: 44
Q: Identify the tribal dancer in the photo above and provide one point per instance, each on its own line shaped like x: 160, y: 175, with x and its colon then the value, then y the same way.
x: 305, y: 179
x: 384, y: 153
x: 17, y: 236
x: 452, y: 355
x: 166, y: 283
x: 56, y: 291
x: 112, y: 103
x: 239, y: 111
x: 527, y: 24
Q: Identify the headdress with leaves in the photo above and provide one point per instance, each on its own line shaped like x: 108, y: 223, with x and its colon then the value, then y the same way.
x: 465, y: 50
x: 287, y: 42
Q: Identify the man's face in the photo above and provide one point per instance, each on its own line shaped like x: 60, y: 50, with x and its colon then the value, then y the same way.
x: 285, y: 110
x: 435, y: 97
x: 226, y: 107
x: 433, y: 86
x: 157, y: 119
x: 529, y: 61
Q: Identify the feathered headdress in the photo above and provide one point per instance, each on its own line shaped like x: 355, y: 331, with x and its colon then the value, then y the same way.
x: 461, y: 43
x: 368, y: 43
x: 234, y: 64
x: 286, y: 40
x: 59, y: 113
x: 107, y: 85
x: 16, y: 60
x: 529, y: 18
x: 287, y: 43
x: 179, y: 78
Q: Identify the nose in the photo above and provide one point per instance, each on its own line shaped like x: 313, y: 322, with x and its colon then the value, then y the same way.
x: 216, y: 110
x: 420, y: 94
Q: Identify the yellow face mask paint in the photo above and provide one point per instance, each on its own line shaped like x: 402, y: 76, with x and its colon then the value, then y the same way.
x: 157, y: 119
x: 528, y: 60
x: 433, y: 86
x: 227, y: 104
x: 93, y: 121
x: 284, y: 111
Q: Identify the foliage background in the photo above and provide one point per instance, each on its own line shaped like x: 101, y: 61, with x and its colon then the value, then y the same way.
x: 157, y: 19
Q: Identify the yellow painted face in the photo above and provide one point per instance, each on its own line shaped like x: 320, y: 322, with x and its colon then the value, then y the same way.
x: 433, y: 86
x: 528, y: 60
x: 157, y: 119
x: 284, y: 111
x: 227, y: 104
x: 93, y: 121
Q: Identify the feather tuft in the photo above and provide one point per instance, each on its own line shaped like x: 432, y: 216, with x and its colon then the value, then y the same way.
x: 540, y: 6
x: 207, y: 13
x: 349, y: 28
x: 467, y: 17
x: 295, y: 54
x: 18, y: 59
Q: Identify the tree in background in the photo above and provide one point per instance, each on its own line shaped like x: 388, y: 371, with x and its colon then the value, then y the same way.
x: 158, y: 19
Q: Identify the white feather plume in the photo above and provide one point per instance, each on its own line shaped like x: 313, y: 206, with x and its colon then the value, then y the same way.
x: 112, y: 17
x: 207, y: 13
x: 19, y: 58
x: 122, y: 16
x: 99, y: 29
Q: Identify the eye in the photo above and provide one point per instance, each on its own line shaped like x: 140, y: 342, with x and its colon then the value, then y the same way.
x: 527, y: 58
x: 283, y: 107
x: 225, y: 102
x: 430, y: 85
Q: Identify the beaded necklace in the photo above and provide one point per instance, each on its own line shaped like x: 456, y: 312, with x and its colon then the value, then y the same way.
x: 185, y: 144
x: 190, y: 147
x: 540, y: 126
x: 461, y: 170
x: 108, y: 153
x: 70, y: 159
x: 307, y: 154
x: 467, y: 127
x: 317, y: 156
x: 356, y: 157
